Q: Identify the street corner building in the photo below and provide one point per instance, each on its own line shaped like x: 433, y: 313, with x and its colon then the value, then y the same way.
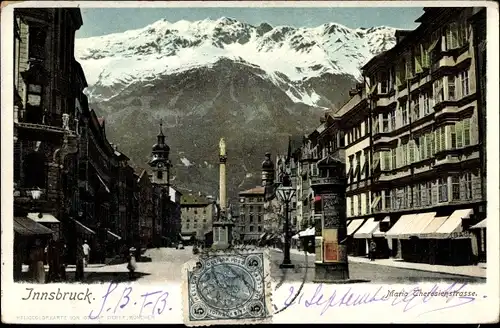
x: 71, y: 184
x: 413, y: 140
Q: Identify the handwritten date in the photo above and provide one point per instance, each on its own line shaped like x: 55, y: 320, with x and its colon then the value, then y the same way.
x: 147, y: 304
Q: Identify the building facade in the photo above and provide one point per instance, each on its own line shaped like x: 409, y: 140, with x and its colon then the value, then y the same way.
x: 197, y: 213
x: 252, y: 213
x: 413, y: 137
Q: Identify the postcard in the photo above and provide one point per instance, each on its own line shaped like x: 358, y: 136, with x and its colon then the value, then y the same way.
x: 249, y: 162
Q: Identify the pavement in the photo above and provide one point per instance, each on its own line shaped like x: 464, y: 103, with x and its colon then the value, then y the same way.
x: 476, y: 271
x: 165, y: 265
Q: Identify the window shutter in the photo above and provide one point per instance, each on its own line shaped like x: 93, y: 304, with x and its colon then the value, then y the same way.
x: 466, y: 127
x: 418, y: 59
x: 459, y: 132
x: 398, y: 76
x: 443, y: 138
x: 472, y: 82
x: 425, y: 56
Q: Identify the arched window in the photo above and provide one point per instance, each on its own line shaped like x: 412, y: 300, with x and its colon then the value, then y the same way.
x: 35, y: 170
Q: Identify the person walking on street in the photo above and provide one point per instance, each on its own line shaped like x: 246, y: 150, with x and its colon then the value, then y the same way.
x: 373, y: 249
x: 36, y: 268
x: 86, y: 252
x: 64, y: 259
x: 80, y: 261
x: 132, y: 264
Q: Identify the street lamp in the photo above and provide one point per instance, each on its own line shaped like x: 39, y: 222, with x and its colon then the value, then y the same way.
x: 285, y: 194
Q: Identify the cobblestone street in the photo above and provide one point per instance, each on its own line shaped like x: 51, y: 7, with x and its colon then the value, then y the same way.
x: 166, y: 263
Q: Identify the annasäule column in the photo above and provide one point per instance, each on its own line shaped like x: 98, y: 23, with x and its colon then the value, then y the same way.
x: 222, y: 224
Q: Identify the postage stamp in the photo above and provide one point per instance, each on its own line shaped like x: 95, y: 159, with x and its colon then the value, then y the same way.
x: 228, y: 287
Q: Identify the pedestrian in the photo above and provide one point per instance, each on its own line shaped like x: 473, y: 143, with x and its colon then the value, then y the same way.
x: 86, y: 252
x: 80, y: 261
x: 37, y: 268
x: 132, y: 264
x: 64, y: 260
x: 373, y: 249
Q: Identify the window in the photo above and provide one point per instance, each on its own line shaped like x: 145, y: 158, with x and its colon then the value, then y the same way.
x: 404, y: 113
x: 259, y: 218
x: 428, y: 189
x: 443, y: 189
x: 376, y: 161
x: 259, y: 229
x: 387, y: 160
x: 376, y: 126
x: 400, y: 74
x: 409, y: 67
x: 418, y: 195
x: 357, y: 172
x: 451, y: 88
x: 35, y: 114
x: 384, y: 82
x: 466, y: 128
x: 421, y: 147
x: 36, y: 44
x: 195, y: 211
x: 367, y: 203
x: 393, y: 120
x: 415, y: 109
x: 411, y: 150
x: 394, y: 158
x: 452, y: 39
x: 359, y: 204
x: 250, y: 217
x: 251, y: 228
x: 418, y: 59
x: 352, y: 205
x: 404, y: 154
x: 195, y: 225
x: 385, y: 122
x: 426, y: 103
x: 250, y: 209
x: 187, y: 226
x: 387, y: 196
x: 438, y: 91
x: 464, y: 83
x: 440, y: 145
x: 455, y: 188
x: 467, y: 185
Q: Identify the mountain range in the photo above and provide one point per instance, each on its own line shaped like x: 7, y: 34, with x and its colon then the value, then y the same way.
x: 253, y: 85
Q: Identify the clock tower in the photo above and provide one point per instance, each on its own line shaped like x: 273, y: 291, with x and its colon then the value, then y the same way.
x: 160, y: 162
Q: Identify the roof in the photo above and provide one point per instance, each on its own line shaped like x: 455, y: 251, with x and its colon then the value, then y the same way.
x: 192, y: 199
x: 27, y: 227
x: 101, y: 121
x: 255, y: 191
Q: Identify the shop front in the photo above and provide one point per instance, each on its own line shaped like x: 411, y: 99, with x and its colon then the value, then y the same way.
x: 356, y: 247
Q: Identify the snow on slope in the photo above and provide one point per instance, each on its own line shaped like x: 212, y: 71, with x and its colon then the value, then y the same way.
x: 166, y: 48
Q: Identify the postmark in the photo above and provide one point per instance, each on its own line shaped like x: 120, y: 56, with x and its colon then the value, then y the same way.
x: 227, y: 287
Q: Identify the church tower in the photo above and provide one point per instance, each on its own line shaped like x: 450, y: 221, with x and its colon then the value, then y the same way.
x: 160, y: 162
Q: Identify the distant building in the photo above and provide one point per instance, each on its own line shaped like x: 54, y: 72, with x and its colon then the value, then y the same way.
x: 252, y: 213
x: 197, y: 213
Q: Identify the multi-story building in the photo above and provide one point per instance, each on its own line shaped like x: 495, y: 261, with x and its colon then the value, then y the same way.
x: 145, y: 209
x: 252, y: 213
x: 197, y: 213
x: 46, y: 87
x: 415, y: 141
x: 173, y: 225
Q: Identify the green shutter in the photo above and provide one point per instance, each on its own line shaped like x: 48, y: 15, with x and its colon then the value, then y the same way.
x: 466, y: 127
x: 459, y: 131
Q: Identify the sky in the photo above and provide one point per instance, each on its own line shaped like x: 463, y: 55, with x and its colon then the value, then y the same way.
x: 102, y: 21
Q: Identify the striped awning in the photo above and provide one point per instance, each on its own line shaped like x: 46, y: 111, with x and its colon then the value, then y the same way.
x: 480, y: 225
x: 25, y: 226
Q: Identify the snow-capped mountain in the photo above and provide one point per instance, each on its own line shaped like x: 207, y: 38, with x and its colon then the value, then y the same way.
x: 288, y: 56
x: 254, y: 85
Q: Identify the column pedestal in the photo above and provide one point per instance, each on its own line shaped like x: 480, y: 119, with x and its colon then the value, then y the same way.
x: 331, y: 273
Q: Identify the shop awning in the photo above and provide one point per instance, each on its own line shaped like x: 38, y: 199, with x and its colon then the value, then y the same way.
x: 114, y: 235
x: 308, y: 232
x: 367, y: 229
x: 103, y: 183
x: 186, y: 238
x: 43, y: 218
x: 27, y: 227
x: 355, y: 224
x: 88, y: 230
x: 296, y: 236
x: 400, y: 226
x: 480, y: 225
x: 378, y: 233
x: 418, y: 225
x: 386, y: 219
x: 262, y: 236
x: 431, y: 228
x: 453, y: 224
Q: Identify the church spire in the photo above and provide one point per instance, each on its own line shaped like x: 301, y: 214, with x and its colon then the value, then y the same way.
x: 161, y: 136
